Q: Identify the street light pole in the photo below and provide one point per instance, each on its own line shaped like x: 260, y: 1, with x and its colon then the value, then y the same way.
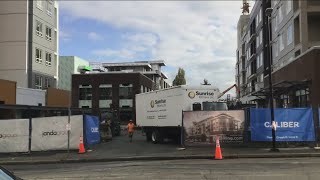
x: 269, y: 55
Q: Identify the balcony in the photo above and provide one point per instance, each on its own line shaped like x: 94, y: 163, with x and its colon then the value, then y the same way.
x: 254, y: 55
x: 252, y: 37
x: 259, y: 86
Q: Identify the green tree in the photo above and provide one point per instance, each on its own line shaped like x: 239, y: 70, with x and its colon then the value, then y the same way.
x: 179, y: 79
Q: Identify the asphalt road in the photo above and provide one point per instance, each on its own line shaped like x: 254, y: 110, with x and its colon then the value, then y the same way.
x: 291, y: 169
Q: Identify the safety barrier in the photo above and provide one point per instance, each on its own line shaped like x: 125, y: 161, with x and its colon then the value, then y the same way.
x: 45, y: 133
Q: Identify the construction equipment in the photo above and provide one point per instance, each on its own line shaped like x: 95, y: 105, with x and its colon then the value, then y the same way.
x: 224, y: 92
x: 245, y: 8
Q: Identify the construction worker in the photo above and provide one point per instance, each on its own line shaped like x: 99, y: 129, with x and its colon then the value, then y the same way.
x: 130, y: 129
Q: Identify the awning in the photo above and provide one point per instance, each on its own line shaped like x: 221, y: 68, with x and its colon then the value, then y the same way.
x: 283, y: 87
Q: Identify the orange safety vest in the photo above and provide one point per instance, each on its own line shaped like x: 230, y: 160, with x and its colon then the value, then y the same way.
x: 130, y: 127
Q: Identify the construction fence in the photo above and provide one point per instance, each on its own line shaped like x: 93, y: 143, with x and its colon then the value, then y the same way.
x: 251, y: 125
x: 48, y: 133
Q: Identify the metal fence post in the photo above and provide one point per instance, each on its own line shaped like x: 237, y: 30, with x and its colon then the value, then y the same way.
x: 182, y: 131
x: 30, y: 130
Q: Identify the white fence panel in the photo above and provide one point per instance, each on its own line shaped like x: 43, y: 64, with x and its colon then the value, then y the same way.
x: 76, y: 130
x: 49, y: 133
x: 14, y: 135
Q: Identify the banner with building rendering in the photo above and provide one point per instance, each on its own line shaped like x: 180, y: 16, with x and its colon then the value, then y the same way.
x: 202, y: 127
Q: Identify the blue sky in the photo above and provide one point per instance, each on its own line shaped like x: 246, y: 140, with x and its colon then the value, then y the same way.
x: 197, y: 36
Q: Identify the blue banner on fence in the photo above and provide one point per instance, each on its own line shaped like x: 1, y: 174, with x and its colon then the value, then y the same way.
x: 92, y: 130
x: 292, y: 124
x: 319, y: 115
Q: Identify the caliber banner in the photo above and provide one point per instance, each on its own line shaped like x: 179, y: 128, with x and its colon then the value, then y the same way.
x: 294, y: 124
x: 14, y: 135
x: 201, y: 127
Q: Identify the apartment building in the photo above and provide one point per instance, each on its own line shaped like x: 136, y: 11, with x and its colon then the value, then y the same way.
x: 241, y: 77
x: 251, y: 54
x: 69, y: 65
x: 295, y: 52
x: 294, y: 41
x: 29, y: 42
x: 295, y: 29
x: 151, y: 69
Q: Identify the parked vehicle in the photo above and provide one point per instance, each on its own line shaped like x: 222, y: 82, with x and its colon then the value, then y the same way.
x: 160, y: 112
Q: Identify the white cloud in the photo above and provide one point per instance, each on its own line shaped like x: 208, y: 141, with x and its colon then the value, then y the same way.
x: 94, y: 36
x: 64, y: 36
x: 197, y: 36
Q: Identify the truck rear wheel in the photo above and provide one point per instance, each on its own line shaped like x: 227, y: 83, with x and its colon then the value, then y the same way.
x: 156, y: 137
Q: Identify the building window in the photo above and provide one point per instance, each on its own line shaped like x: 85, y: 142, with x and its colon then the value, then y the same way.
x: 281, y: 42
x: 275, y: 49
x: 38, y: 82
x: 257, y: 41
x: 261, y: 78
x: 39, y: 4
x: 85, y: 93
x: 284, y: 101
x: 48, y: 59
x: 38, y: 55
x: 290, y: 34
x: 276, y: 21
x: 280, y: 15
x: 302, y: 98
x: 39, y: 28
x: 260, y: 36
x: 261, y: 16
x: 261, y: 59
x: 48, y: 33
x: 105, y: 92
x: 125, y: 92
x: 258, y: 61
x: 46, y: 82
x: 49, y: 8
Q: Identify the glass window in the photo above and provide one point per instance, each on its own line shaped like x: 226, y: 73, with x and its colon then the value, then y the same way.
x: 281, y: 42
x: 261, y: 59
x: 85, y: 93
x: 290, y: 34
x: 260, y: 36
x: 257, y: 41
x: 105, y: 93
x: 261, y: 16
x: 38, y: 55
x: 39, y: 28
x: 46, y: 82
x: 280, y: 15
x: 275, y: 49
x: 48, y: 33
x: 48, y: 59
x: 38, y: 82
x: 258, y: 61
x: 125, y: 92
x: 49, y: 8
x: 275, y: 22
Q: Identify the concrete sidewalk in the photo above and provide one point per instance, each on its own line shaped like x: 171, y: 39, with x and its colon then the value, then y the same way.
x: 119, y: 149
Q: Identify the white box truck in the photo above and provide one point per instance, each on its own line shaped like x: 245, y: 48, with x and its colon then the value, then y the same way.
x: 159, y: 112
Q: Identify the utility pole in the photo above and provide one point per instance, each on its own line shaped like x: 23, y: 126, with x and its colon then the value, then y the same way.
x: 268, y: 13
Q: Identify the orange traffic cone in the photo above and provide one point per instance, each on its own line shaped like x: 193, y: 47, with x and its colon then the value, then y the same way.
x: 81, y: 146
x: 218, y: 154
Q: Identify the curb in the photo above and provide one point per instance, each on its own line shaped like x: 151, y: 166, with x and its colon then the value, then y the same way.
x: 154, y: 158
